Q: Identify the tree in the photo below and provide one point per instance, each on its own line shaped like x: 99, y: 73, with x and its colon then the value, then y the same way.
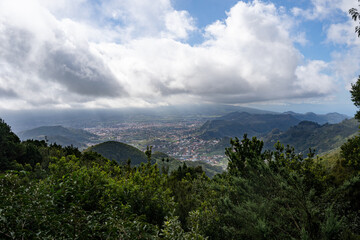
x: 355, y: 96
x: 244, y: 154
x: 9, y: 146
x: 355, y: 88
x: 350, y: 151
x: 355, y: 15
x: 148, y: 153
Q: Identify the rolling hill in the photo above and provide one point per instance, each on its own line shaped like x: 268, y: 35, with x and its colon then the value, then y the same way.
x: 307, y: 134
x: 120, y: 152
x: 331, y: 118
x: 60, y: 135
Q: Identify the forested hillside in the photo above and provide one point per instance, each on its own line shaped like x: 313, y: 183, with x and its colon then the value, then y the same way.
x: 238, y: 123
x: 307, y: 135
x: 119, y: 152
x: 52, y: 192
x: 330, y: 118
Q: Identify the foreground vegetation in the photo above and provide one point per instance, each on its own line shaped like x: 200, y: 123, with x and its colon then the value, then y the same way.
x: 52, y: 192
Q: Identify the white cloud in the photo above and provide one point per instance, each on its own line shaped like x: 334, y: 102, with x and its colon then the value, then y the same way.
x: 340, y: 31
x: 313, y: 78
x: 347, y: 65
x: 323, y: 9
x: 332, y: 13
x: 343, y: 33
x: 178, y: 24
x: 146, y: 18
x: 135, y: 53
x: 243, y: 57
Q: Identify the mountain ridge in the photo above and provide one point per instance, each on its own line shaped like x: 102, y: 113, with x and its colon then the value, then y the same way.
x: 60, y: 135
x: 236, y: 124
x: 307, y: 134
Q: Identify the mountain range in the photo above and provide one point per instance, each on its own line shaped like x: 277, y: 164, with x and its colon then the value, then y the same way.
x: 236, y: 124
x: 86, y: 118
x: 322, y: 132
x: 319, y: 118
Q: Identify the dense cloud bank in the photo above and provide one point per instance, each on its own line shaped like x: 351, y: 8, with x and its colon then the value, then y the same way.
x: 139, y: 53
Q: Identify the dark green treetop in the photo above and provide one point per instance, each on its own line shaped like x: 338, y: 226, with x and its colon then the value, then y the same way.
x: 9, y: 145
x: 355, y: 96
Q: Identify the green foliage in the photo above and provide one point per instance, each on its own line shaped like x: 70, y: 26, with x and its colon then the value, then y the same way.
x: 237, y: 124
x: 148, y: 154
x: 272, y: 195
x: 244, y: 155
x: 355, y: 15
x: 31, y: 154
x: 9, y: 146
x: 332, y: 226
x: 188, y: 187
x: 355, y: 96
x: 172, y: 230
x: 350, y: 152
x: 80, y: 202
x: 309, y: 134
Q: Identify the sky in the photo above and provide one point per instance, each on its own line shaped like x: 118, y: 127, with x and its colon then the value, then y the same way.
x: 276, y: 55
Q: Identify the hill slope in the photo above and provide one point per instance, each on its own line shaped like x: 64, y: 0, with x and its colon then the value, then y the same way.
x: 120, y: 152
x: 60, y: 135
x: 236, y: 124
x: 331, y: 118
x: 309, y: 134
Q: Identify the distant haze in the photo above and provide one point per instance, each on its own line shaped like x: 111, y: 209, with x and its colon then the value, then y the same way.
x: 85, y: 118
